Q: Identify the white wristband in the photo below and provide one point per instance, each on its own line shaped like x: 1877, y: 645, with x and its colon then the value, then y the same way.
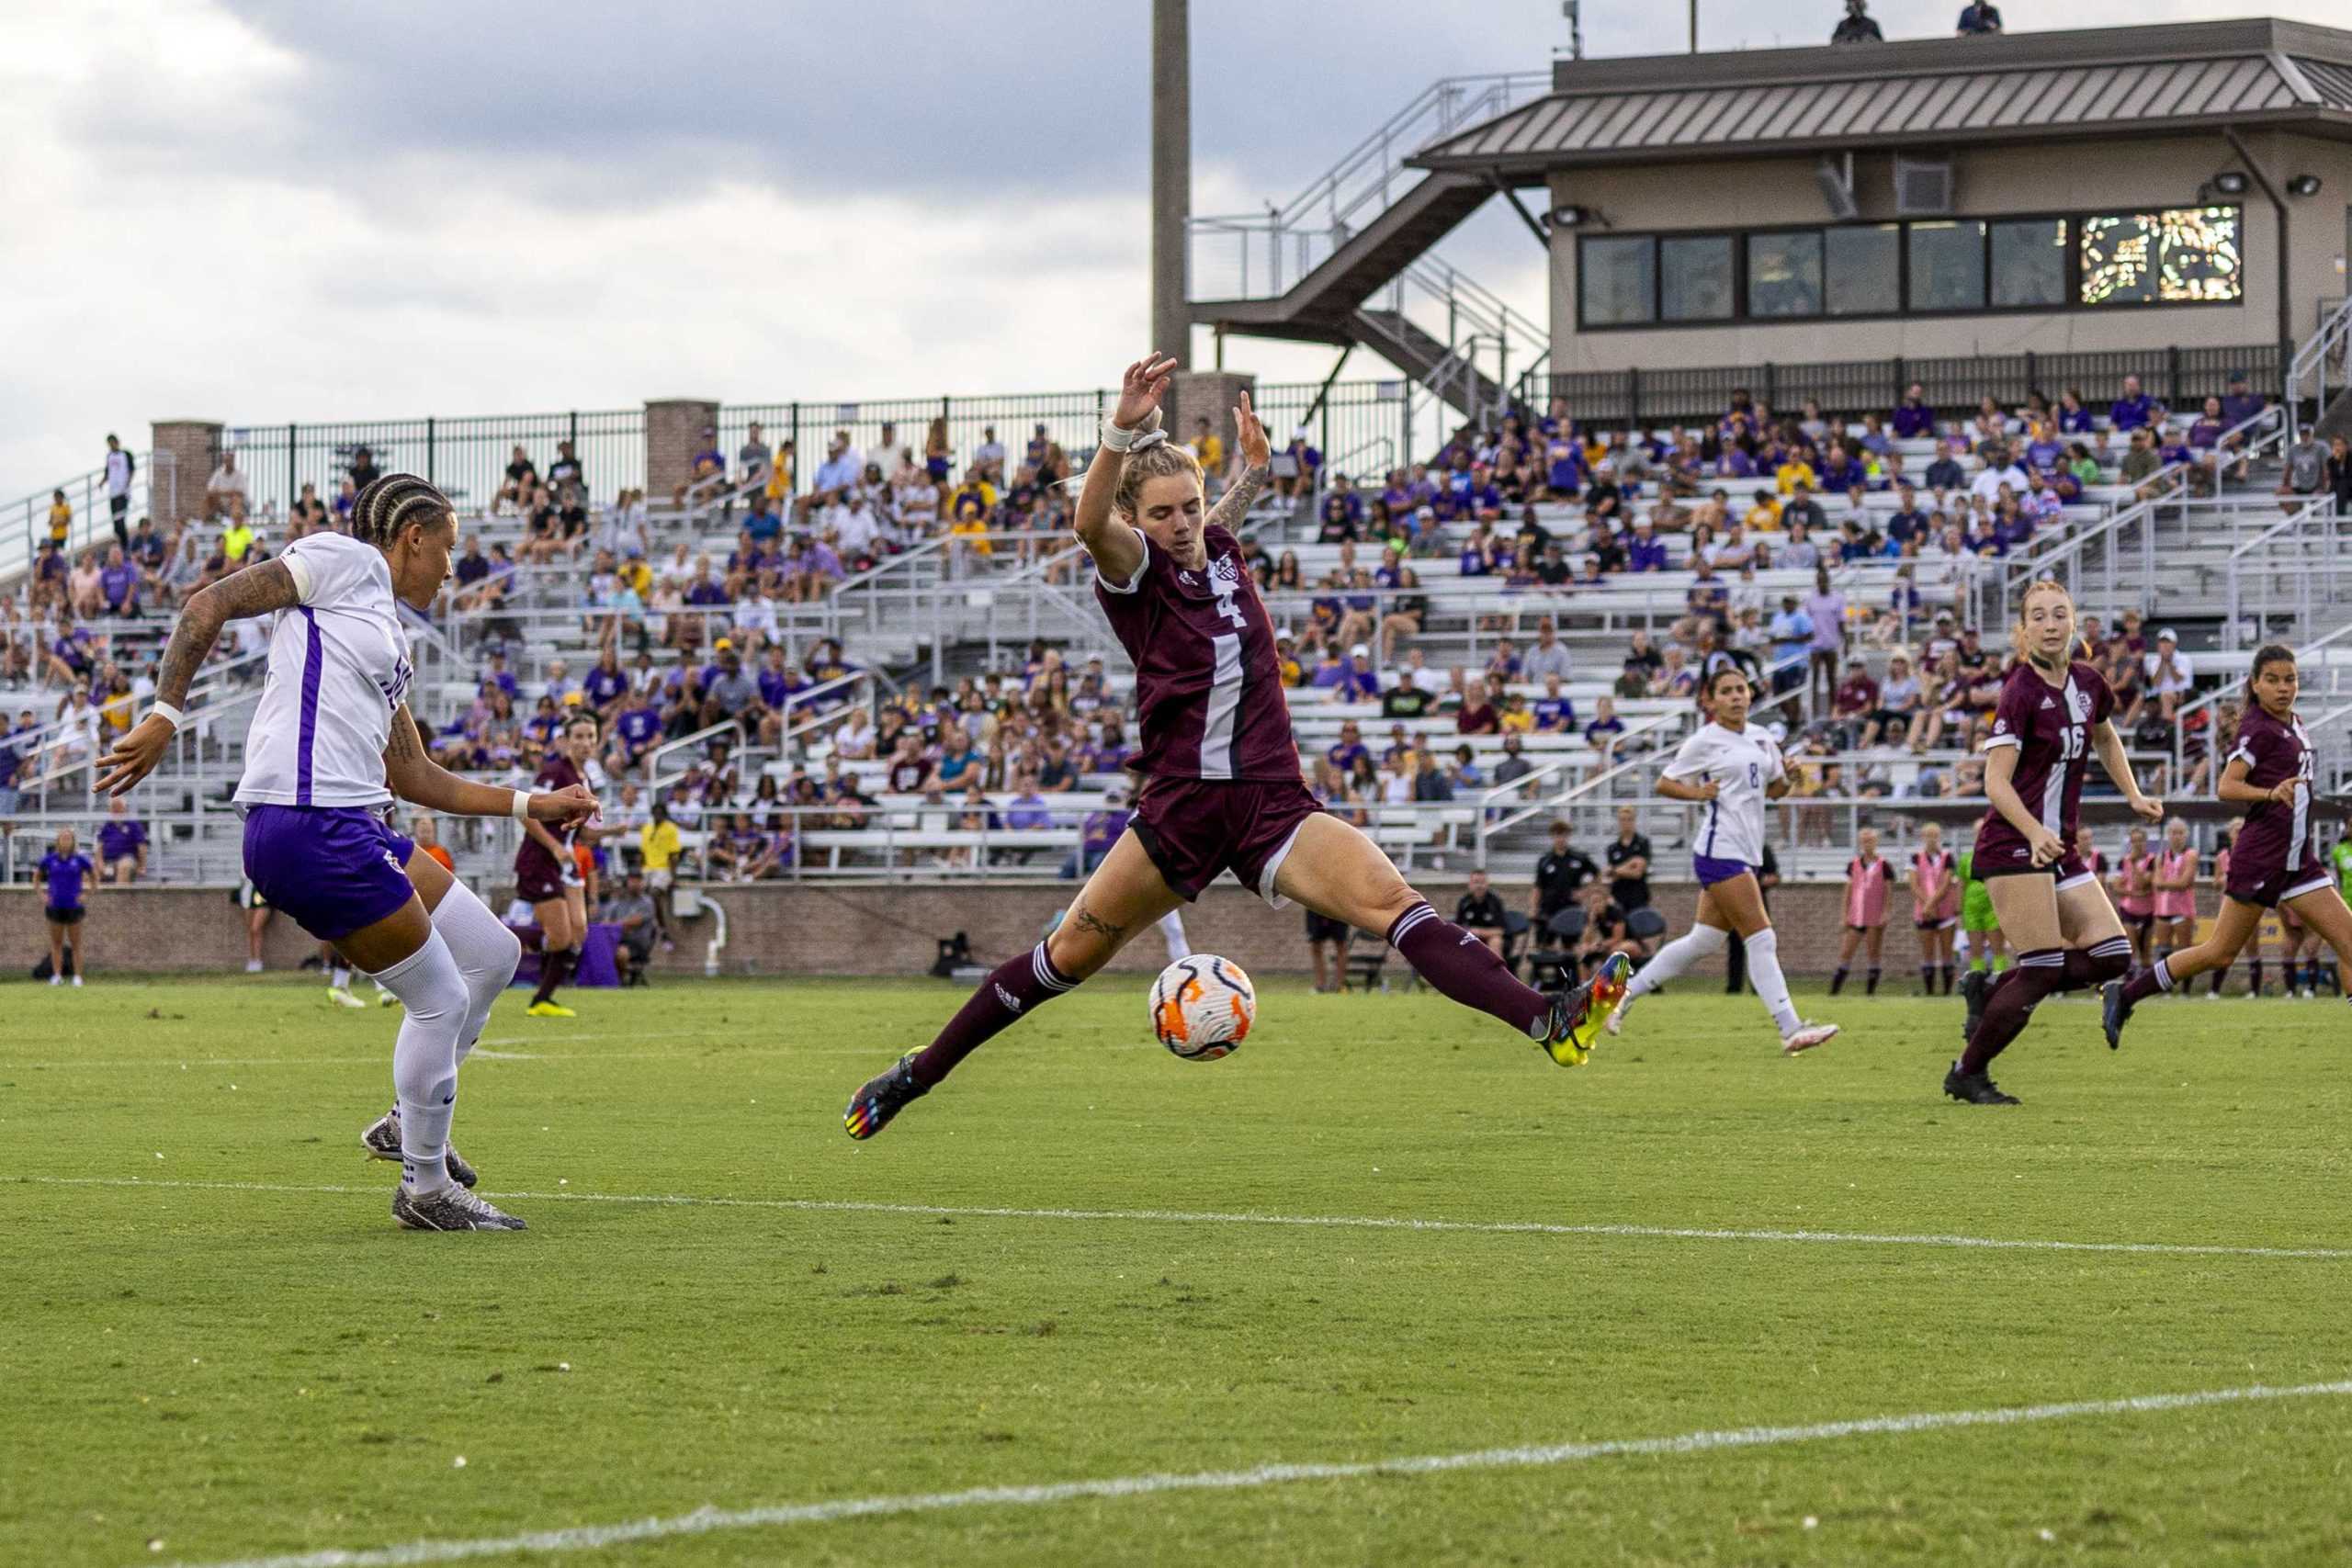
x: 520, y: 807
x: 168, y: 714
x: 1117, y: 438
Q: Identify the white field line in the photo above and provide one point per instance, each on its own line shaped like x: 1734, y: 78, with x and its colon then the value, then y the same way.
x: 1306, y: 1222
x: 707, y: 1520
x: 378, y: 1053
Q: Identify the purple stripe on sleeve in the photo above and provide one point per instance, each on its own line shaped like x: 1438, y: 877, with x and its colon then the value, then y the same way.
x: 311, y: 656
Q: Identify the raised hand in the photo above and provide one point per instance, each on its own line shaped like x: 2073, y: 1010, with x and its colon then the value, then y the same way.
x: 1257, y: 451
x: 1141, y: 387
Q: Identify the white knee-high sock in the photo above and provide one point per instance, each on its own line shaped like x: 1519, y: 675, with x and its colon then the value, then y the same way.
x: 424, y: 1058
x: 1771, y: 986
x: 1698, y: 941
x: 486, y: 953
x: 1171, y: 932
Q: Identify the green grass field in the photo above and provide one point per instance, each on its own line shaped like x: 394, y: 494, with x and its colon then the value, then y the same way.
x: 218, y: 1348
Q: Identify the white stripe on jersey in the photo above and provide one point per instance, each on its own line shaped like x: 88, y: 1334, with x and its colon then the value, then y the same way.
x: 1741, y: 765
x: 1224, y: 708
x: 338, y: 666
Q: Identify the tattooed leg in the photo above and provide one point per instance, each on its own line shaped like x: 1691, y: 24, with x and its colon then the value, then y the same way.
x: 1127, y: 894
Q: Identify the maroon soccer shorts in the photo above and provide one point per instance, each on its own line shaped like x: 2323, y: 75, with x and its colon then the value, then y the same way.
x: 2247, y: 884
x: 1194, y: 828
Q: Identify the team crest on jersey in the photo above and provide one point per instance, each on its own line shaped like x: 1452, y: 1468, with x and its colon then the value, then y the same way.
x: 2078, y: 705
x: 1224, y: 574
x: 396, y: 690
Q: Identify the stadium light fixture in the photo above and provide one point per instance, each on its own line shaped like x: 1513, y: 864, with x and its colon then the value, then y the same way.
x: 1571, y: 215
x: 2303, y: 184
x: 2231, y: 182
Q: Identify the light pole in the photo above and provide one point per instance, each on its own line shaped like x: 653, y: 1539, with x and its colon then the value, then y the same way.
x: 1172, y: 177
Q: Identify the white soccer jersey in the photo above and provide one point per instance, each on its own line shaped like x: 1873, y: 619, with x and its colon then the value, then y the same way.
x: 1742, y: 762
x: 338, y: 668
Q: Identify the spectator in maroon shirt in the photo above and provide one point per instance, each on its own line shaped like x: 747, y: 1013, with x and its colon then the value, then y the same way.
x: 1477, y: 715
x: 1855, y: 700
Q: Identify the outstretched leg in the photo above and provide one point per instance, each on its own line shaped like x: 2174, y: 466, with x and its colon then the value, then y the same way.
x: 1125, y: 894
x: 1335, y: 870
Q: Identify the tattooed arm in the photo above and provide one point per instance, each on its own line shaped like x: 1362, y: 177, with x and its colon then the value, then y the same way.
x: 255, y: 591
x: 1257, y: 452
x: 412, y: 775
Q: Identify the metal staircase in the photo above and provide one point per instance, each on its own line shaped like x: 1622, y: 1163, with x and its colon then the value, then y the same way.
x: 1346, y: 262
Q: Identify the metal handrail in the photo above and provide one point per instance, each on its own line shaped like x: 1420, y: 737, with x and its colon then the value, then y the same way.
x: 2325, y: 347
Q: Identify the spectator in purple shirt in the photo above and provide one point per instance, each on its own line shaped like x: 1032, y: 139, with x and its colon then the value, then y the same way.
x: 2239, y: 404
x: 1344, y: 753
x: 1097, y: 834
x: 1645, y: 552
x: 1358, y: 683
x: 119, y: 582
x: 2074, y: 418
x: 62, y: 876
x: 2133, y: 409
x: 122, y: 843
x: 1913, y: 418
x: 2205, y: 431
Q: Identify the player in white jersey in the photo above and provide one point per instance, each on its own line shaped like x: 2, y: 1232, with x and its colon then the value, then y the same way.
x: 332, y: 744
x: 1732, y: 768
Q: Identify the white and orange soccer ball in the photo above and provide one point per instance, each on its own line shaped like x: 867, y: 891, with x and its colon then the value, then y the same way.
x: 1201, y: 1006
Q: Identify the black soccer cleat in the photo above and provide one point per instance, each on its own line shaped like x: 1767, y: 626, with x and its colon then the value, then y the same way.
x: 882, y: 1098
x: 1977, y: 1087
x: 382, y: 1141
x: 2114, y: 1012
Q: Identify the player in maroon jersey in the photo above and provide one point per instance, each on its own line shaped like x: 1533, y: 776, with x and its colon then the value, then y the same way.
x: 1221, y: 787
x: 2055, y: 712
x: 546, y: 875
x: 2275, y: 864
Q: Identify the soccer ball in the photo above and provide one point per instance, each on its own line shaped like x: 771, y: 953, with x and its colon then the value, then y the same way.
x: 1201, y: 1006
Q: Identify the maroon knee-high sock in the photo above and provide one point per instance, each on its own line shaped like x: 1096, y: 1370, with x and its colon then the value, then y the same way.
x: 555, y: 968
x: 2038, y: 974
x: 2155, y: 979
x: 1467, y: 970
x: 1013, y: 990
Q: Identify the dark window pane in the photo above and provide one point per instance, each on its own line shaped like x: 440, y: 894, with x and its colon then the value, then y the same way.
x: 1616, y: 282
x: 2176, y: 256
x: 1947, y: 266
x: 2030, y: 262
x: 1865, y: 270
x: 1694, y: 279
x: 1784, y: 274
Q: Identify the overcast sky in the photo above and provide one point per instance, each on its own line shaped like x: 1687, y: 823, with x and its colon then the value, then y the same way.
x: 261, y: 210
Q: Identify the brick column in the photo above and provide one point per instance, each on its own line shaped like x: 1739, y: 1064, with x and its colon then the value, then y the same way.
x: 674, y: 431
x: 1210, y: 395
x: 186, y: 452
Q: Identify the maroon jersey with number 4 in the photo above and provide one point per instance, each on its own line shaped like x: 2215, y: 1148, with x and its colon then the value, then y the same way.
x: 2278, y: 841
x: 2051, y: 728
x: 1209, y: 697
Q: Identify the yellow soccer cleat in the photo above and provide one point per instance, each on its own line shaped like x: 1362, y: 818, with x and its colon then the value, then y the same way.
x: 549, y: 1009
x: 1577, y: 1016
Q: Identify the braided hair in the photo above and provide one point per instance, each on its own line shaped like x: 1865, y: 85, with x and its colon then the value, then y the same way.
x: 393, y: 501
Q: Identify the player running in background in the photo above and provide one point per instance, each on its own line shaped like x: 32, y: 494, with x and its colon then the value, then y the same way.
x: 338, y: 970
x: 2229, y: 837
x: 2134, y: 885
x: 2276, y: 862
x: 1732, y: 768
x: 331, y: 743
x: 2175, y: 886
x: 2055, y: 712
x: 1867, y: 879
x: 1221, y: 787
x: 1935, y: 907
x: 547, y: 870
x: 63, y: 876
x: 2294, y: 978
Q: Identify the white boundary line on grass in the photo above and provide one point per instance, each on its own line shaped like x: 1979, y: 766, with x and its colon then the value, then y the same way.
x: 707, y: 1520
x: 1308, y: 1222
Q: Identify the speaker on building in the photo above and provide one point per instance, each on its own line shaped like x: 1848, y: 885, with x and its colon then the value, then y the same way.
x: 1922, y: 186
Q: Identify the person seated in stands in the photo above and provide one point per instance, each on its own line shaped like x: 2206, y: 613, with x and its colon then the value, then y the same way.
x: 1945, y: 472
x: 1342, y: 513
x: 2134, y: 409
x: 1854, y: 705
x: 1357, y: 682
x: 1645, y: 552
x: 1604, y: 501
x: 1476, y: 714
x: 1801, y: 511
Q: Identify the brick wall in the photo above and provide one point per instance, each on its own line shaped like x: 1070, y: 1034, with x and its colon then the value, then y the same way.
x: 781, y: 929
x: 1210, y: 395
x: 177, y: 491
x: 673, y: 434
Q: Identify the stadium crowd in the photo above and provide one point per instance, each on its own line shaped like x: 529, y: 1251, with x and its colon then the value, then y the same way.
x: 684, y: 614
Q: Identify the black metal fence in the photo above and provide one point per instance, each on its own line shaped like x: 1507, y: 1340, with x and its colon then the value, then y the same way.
x: 467, y: 457
x: 2176, y: 376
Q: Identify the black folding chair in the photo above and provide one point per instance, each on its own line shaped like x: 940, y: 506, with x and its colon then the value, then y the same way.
x: 1552, y: 967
